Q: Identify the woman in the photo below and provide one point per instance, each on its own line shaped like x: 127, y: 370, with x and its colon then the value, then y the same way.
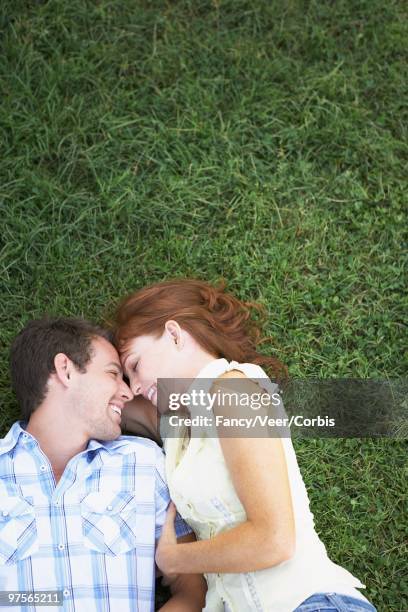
x: 244, y: 497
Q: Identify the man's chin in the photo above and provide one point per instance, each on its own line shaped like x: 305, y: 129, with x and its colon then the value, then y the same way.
x: 107, y: 435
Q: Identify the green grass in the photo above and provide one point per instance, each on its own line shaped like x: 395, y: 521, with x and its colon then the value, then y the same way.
x: 264, y: 142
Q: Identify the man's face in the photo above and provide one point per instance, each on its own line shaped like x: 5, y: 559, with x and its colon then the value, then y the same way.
x: 99, y: 395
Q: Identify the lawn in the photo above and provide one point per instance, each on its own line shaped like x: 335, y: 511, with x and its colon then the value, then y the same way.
x: 263, y: 142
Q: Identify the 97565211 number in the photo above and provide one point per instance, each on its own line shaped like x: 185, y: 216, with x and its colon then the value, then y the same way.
x: 28, y: 598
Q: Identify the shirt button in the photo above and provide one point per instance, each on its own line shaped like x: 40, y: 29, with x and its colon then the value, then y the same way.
x: 109, y: 507
x: 5, y: 513
x: 65, y: 592
x: 61, y: 547
x: 56, y: 503
x: 43, y: 468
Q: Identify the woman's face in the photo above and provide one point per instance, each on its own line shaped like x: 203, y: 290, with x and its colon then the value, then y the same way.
x: 146, y: 358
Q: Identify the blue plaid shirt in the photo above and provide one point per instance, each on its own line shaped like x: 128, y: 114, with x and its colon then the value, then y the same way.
x: 92, y: 535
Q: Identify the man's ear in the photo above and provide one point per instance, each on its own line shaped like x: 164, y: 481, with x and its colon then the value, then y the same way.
x: 63, y: 368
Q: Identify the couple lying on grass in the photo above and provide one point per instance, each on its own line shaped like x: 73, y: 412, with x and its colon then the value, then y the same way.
x: 86, y: 512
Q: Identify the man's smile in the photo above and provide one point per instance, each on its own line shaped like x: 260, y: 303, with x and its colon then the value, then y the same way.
x: 116, y: 408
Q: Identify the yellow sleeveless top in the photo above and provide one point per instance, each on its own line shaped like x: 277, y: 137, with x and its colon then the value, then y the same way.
x: 201, y: 487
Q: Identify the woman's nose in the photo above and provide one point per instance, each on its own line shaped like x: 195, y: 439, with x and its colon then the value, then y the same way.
x: 136, y: 387
x: 127, y: 393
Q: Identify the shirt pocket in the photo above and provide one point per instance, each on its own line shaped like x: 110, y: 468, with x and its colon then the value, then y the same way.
x: 18, y: 530
x: 109, y: 521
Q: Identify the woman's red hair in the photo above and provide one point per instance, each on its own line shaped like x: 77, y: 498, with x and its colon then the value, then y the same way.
x: 221, y: 323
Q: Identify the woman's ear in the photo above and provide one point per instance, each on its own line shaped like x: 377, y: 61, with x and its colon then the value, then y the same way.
x: 175, y: 332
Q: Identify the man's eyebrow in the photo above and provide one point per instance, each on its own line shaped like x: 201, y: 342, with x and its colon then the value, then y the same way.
x: 116, y: 365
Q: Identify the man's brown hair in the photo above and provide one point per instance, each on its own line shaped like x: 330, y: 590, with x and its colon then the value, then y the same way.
x: 33, y: 351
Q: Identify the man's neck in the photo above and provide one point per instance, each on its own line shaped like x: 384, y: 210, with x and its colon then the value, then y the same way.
x: 59, y: 442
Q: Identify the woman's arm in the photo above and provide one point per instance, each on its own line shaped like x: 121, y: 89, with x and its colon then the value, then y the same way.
x: 259, y: 473
x: 140, y: 418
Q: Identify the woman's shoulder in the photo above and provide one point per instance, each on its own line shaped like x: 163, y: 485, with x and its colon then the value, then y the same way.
x: 242, y: 380
x: 245, y: 377
x: 233, y: 374
x: 249, y: 371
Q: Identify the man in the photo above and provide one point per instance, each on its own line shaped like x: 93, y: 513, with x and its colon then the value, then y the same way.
x: 81, y: 507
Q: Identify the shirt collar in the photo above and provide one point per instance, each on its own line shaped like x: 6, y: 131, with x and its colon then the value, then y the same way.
x: 17, y: 430
x: 12, y: 437
x: 109, y: 445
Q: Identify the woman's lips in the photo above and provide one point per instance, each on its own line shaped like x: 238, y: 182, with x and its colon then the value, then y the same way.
x: 151, y: 392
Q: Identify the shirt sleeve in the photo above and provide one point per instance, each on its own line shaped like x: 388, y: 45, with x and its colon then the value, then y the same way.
x: 162, y: 500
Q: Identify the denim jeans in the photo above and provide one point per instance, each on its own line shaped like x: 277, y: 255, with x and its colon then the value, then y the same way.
x: 334, y: 602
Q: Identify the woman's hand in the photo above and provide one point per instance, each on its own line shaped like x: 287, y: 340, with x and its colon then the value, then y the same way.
x: 167, y: 544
